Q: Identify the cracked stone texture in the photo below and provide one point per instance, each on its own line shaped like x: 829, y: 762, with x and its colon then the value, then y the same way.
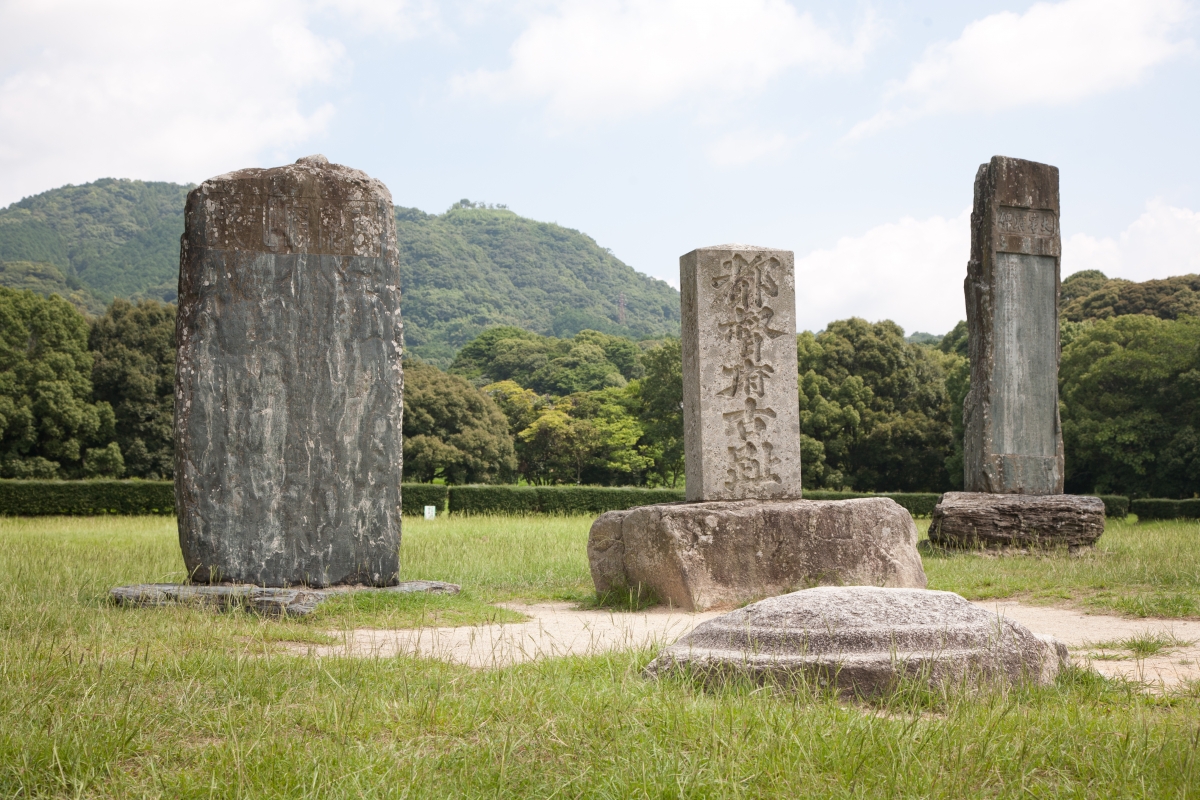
x: 970, y: 519
x: 741, y: 408
x: 288, y: 436
x: 269, y: 601
x: 699, y: 556
x: 1013, y: 441
x: 862, y: 641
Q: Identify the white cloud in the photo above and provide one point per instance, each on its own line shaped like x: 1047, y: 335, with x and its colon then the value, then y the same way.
x: 909, y: 271
x: 163, y: 90
x: 595, y: 59
x: 1162, y: 242
x: 742, y: 147
x: 1051, y: 54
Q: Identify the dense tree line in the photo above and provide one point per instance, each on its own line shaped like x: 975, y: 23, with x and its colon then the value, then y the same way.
x: 84, y: 397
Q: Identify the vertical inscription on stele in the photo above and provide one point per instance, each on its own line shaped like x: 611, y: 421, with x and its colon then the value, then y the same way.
x: 741, y: 417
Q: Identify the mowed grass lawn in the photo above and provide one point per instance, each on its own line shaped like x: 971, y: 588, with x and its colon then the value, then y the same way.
x: 99, y: 701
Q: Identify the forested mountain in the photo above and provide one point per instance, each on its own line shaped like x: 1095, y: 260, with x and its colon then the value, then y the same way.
x: 463, y: 271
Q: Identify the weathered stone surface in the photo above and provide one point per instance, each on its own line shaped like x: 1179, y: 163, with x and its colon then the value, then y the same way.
x: 268, y: 601
x: 862, y: 641
x: 721, y: 555
x: 1013, y: 440
x: 288, y: 379
x: 971, y: 519
x: 741, y: 411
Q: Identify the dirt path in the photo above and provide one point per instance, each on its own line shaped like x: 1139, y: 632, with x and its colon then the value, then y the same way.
x: 1174, y: 664
x: 559, y: 629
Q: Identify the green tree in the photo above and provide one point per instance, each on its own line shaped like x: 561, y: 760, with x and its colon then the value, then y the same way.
x: 1130, y: 389
x: 660, y: 412
x: 877, y: 404
x: 133, y: 347
x: 47, y: 417
x: 588, y: 437
x: 452, y: 430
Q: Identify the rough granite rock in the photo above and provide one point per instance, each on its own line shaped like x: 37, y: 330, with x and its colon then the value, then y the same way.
x: 862, y: 641
x: 269, y: 601
x: 1013, y: 439
x: 288, y: 435
x: 698, y: 556
x: 973, y: 519
x: 741, y: 412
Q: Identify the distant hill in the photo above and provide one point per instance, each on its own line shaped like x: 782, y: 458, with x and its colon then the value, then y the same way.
x: 463, y: 271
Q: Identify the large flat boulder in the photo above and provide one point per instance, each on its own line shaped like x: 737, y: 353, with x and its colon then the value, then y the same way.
x: 981, y: 520
x: 864, y: 641
x: 698, y: 556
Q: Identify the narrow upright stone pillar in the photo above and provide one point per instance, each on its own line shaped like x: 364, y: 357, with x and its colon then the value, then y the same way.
x: 288, y: 406
x: 1013, y: 442
x: 744, y: 532
x: 741, y: 410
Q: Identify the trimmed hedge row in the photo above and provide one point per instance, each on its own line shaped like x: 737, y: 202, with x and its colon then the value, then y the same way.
x: 598, y: 499
x: 1158, y: 508
x: 25, y: 498
x: 415, y: 496
x: 21, y: 498
x: 1115, y: 505
x: 919, y: 504
x: 555, y: 499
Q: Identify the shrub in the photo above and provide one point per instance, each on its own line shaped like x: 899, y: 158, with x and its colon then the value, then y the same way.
x: 598, y: 499
x: 1189, y: 509
x: 20, y: 498
x: 1115, y: 505
x: 1154, y: 508
x: 919, y: 504
x: 493, y: 499
x: 415, y: 496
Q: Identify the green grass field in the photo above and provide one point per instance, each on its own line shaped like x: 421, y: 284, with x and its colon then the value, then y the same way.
x: 99, y: 701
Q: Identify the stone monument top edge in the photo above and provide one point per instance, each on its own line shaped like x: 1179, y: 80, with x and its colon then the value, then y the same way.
x: 737, y: 246
x: 1018, y: 182
x: 298, y: 178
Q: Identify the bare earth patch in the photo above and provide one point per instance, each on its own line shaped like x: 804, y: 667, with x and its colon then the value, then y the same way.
x: 1110, y: 644
x: 1114, y: 646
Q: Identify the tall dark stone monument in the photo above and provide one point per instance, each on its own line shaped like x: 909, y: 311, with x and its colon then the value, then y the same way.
x: 1013, y: 442
x: 288, y: 399
x: 1013, y: 439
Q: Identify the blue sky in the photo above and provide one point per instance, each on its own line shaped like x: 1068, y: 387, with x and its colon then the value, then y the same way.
x: 849, y: 133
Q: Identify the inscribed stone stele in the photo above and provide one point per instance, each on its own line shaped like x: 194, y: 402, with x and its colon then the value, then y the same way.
x: 1013, y: 440
x: 288, y: 403
x: 741, y: 415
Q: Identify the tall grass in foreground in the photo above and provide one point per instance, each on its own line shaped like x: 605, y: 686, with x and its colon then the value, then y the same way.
x: 97, y: 701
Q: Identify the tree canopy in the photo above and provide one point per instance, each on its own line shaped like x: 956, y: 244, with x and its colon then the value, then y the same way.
x: 452, y: 430
x: 1131, y: 406
x: 134, y: 371
x: 49, y: 426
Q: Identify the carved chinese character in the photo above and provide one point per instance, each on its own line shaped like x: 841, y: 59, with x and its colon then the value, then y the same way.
x: 751, y: 329
x: 750, y: 378
x: 753, y: 464
x: 749, y: 421
x: 747, y: 281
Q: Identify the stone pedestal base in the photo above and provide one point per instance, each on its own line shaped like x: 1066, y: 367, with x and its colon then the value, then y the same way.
x: 977, y: 520
x: 864, y: 641
x: 270, y: 601
x: 698, y: 556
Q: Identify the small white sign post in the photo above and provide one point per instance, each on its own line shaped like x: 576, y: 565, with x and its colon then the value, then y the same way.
x: 430, y: 512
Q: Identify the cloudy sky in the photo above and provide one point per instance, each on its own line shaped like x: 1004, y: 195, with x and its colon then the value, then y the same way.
x: 849, y: 133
